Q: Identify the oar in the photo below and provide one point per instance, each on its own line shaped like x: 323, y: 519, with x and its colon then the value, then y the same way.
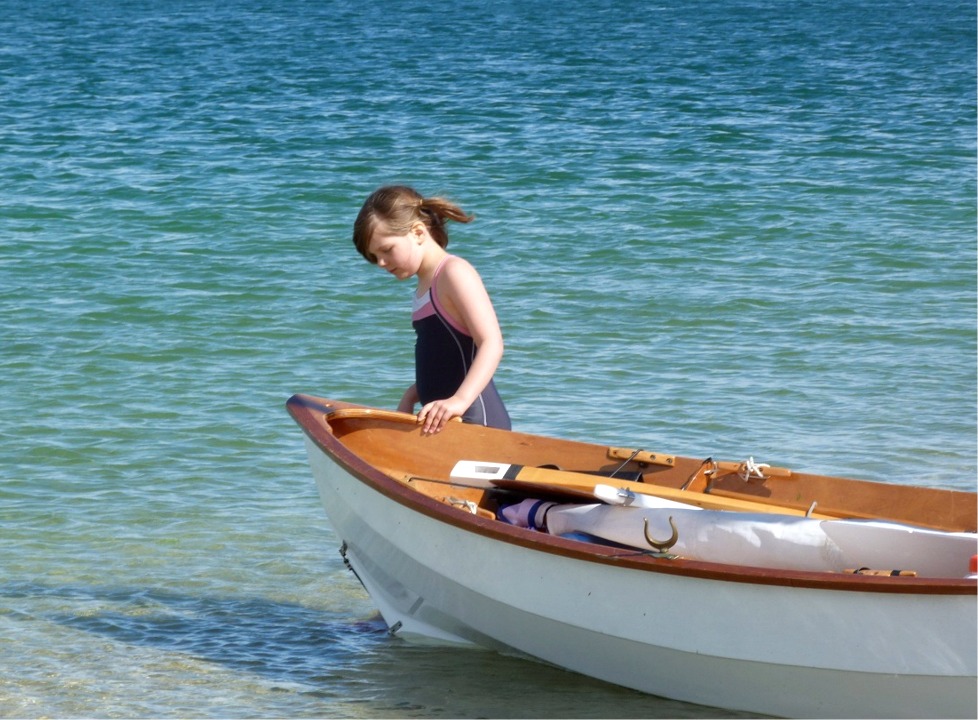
x: 520, y: 477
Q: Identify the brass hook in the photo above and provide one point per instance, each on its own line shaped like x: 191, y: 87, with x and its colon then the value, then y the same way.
x: 662, y: 545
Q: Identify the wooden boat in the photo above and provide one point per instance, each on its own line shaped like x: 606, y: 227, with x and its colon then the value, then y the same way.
x: 441, y: 562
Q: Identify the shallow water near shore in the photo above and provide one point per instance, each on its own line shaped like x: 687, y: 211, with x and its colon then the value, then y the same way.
x: 729, y: 229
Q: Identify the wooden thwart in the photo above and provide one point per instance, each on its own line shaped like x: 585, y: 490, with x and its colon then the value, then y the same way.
x: 641, y: 456
x: 782, y: 473
x: 651, y: 458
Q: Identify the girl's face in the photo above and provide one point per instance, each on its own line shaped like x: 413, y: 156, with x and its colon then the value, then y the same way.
x: 400, y: 255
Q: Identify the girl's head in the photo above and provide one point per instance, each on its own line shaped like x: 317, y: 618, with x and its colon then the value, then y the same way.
x: 397, y: 208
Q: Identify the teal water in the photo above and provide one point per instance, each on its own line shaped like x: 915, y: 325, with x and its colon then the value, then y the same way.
x: 738, y: 229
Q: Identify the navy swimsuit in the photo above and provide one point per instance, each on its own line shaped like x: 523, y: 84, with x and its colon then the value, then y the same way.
x: 443, y: 354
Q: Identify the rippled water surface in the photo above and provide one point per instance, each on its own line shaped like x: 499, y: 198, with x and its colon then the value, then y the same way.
x: 741, y: 228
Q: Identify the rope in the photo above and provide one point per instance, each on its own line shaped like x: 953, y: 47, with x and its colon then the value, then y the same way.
x: 753, y: 469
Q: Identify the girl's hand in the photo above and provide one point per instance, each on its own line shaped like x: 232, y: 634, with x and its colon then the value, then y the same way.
x: 434, y: 415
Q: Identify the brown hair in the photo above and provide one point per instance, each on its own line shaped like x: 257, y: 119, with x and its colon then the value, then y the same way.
x: 399, y: 207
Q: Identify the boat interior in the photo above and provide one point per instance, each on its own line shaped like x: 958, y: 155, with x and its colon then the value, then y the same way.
x: 393, y: 443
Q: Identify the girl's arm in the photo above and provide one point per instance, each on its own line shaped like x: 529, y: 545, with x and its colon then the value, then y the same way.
x: 464, y: 297
x: 409, y: 400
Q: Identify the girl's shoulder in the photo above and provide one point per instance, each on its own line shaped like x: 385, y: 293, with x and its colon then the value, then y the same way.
x: 458, y: 282
x: 455, y: 267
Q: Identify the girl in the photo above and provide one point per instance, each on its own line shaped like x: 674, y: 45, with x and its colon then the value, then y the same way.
x: 459, y: 343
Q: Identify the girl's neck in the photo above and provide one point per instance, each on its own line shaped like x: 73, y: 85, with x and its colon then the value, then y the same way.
x: 433, y: 258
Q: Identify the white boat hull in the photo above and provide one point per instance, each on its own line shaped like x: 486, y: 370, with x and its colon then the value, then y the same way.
x: 760, y: 647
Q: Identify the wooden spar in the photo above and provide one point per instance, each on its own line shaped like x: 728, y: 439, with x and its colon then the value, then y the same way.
x: 544, y: 479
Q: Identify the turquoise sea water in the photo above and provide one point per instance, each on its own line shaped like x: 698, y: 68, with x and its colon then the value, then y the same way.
x: 728, y: 228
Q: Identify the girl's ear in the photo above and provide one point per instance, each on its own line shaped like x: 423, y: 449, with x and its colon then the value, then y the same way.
x: 418, y: 231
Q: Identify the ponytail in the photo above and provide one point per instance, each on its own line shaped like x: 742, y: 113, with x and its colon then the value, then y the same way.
x: 399, y: 207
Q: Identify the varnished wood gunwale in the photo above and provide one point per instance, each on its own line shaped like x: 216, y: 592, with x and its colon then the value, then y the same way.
x: 353, y: 440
